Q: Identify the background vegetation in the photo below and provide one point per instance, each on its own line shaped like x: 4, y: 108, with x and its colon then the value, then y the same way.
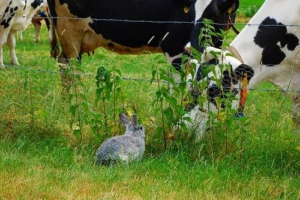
x: 46, y: 152
x: 249, y: 8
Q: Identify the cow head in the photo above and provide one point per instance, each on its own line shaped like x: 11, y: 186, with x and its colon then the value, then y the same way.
x: 222, y: 75
x: 219, y: 11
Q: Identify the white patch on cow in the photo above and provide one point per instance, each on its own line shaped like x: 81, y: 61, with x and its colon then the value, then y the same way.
x: 287, y: 74
x: 198, y: 121
x: 188, y: 47
x: 19, y: 22
x: 170, y: 59
x: 200, y: 116
x: 200, y: 7
x: 189, y: 76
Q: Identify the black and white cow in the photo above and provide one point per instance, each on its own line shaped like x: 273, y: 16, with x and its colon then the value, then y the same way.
x: 270, y: 45
x: 88, y: 24
x: 219, y: 78
x: 37, y: 24
x: 15, y: 15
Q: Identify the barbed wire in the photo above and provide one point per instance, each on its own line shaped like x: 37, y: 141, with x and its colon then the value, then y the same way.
x: 43, y: 71
x: 162, y: 21
x: 24, y: 68
x: 170, y: 22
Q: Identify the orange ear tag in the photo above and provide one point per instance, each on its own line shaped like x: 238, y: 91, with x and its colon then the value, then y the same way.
x: 229, y: 11
x: 244, y: 91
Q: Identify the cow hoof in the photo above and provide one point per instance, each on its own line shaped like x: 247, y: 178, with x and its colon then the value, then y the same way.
x: 63, y: 66
x: 15, y: 63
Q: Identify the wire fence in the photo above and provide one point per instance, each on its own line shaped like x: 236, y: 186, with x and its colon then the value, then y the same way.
x: 92, y: 75
x: 30, y: 98
x: 157, y: 21
x: 25, y: 68
x: 172, y: 22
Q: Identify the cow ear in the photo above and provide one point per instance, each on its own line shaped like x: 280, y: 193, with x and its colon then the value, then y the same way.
x: 241, y: 71
x: 230, y: 6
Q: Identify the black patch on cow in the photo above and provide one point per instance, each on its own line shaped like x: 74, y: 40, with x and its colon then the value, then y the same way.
x: 226, y: 91
x: 227, y: 79
x: 241, y: 70
x: 272, y: 36
x: 36, y: 3
x: 10, y: 12
x: 200, y: 74
x: 111, y: 45
x: 5, y: 23
x: 177, y: 64
x: 6, y: 10
x: 217, y: 11
x: 25, y: 5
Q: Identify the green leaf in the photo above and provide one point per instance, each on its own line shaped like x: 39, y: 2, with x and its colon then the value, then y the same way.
x: 159, y: 130
x: 168, y: 113
x: 73, y: 110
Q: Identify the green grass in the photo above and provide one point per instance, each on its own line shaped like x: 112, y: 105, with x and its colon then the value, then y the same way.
x: 248, y: 8
x: 49, y: 169
x: 256, y: 157
x: 247, y: 3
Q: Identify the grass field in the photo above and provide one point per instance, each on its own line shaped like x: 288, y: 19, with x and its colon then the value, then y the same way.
x: 41, y: 157
x: 248, y: 3
x: 248, y: 8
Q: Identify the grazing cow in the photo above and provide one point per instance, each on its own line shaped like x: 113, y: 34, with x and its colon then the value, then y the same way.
x: 270, y: 45
x: 223, y: 76
x: 15, y: 15
x: 134, y: 27
x: 37, y: 23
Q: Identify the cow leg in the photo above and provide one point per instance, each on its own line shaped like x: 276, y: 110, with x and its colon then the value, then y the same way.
x: 296, y: 110
x: 1, y: 53
x: 11, y: 42
x: 3, y: 40
x: 20, y: 35
x: 37, y: 27
x: 53, y: 41
x: 72, y: 52
x: 1, y: 57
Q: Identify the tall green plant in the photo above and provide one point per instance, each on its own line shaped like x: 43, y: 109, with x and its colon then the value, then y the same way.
x: 82, y: 111
x: 108, y: 91
x: 170, y: 104
x: 173, y: 98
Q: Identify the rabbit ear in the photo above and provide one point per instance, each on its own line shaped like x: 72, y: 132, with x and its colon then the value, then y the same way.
x: 124, y: 119
x: 134, y: 120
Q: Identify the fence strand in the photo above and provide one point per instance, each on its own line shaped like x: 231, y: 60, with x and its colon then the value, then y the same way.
x: 24, y: 68
x: 43, y: 71
x: 161, y: 21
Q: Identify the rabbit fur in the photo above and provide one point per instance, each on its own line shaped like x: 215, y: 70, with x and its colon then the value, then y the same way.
x: 123, y: 148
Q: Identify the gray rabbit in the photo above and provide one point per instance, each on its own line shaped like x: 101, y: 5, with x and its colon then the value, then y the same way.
x: 123, y: 148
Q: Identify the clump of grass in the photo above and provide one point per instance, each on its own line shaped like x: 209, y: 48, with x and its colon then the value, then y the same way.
x: 248, y: 11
